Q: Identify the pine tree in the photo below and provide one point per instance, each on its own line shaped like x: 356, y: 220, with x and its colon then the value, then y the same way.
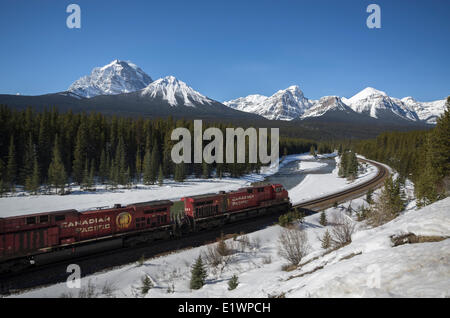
x: 138, y: 166
x: 323, y: 219
x: 312, y: 151
x: 103, y: 167
x: 154, y: 165
x: 219, y: 170
x: 26, y: 169
x: 160, y: 176
x: 179, y: 172
x: 85, y: 181
x: 32, y: 182
x: 147, y: 167
x: 92, y: 175
x: 369, y: 196
x: 56, y: 171
x: 146, y: 285
x: 11, y: 168
x: 79, y: 156
x: 389, y: 203
x: 326, y: 240
x: 121, y: 163
x: 434, y: 178
x: 233, y: 282
x: 198, y: 274
x: 205, y: 170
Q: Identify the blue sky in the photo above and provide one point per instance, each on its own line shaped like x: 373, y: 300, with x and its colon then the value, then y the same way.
x: 227, y: 49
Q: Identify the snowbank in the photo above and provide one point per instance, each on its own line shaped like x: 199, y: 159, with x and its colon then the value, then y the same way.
x: 317, y: 185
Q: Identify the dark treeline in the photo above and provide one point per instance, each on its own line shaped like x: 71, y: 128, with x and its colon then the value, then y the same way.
x: 56, y: 148
x: 421, y: 156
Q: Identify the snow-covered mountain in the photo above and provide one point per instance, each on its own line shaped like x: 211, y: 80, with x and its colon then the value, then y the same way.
x: 326, y: 104
x: 378, y: 104
x: 175, y: 92
x: 285, y: 104
x: 426, y: 111
x: 117, y: 77
x: 291, y: 104
x: 247, y: 104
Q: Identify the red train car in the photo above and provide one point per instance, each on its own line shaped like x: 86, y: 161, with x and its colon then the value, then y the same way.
x: 206, y: 211
x: 46, y: 237
x: 72, y: 232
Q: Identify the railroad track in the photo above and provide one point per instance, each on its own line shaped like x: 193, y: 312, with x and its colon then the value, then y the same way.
x: 55, y: 273
x: 348, y: 194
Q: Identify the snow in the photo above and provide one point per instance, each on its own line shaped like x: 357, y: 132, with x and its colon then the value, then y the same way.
x: 317, y: 185
x: 173, y: 91
x: 286, y: 104
x: 114, y: 78
x: 370, y: 266
x: 290, y: 103
x: 324, y: 105
x: 310, y: 166
x: 426, y: 111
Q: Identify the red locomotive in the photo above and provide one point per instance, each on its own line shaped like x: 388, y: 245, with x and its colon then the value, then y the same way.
x: 48, y: 237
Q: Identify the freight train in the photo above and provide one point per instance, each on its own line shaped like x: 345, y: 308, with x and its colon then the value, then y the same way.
x: 43, y: 238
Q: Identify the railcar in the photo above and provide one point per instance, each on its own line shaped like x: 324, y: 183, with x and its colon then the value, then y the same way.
x: 43, y: 238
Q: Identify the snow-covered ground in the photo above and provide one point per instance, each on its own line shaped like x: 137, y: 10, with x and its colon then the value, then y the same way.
x: 318, y: 185
x: 368, y: 267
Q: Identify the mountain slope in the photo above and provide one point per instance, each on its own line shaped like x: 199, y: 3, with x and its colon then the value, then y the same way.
x: 285, y: 104
x: 115, y: 78
x: 175, y: 92
x: 426, y: 111
x: 327, y: 104
x: 379, y: 105
x: 291, y: 104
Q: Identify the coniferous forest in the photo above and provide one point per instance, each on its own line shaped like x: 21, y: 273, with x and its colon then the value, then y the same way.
x: 49, y: 150
x: 421, y: 156
x: 53, y: 149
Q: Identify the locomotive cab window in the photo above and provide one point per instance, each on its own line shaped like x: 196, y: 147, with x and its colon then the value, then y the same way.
x: 249, y: 190
x: 60, y: 218
x: 31, y: 220
x: 43, y: 219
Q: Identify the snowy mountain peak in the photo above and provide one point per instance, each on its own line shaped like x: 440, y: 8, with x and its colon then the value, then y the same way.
x: 426, y: 111
x: 285, y: 104
x: 366, y: 93
x: 376, y: 103
x: 114, y: 78
x: 325, y: 104
x: 175, y: 92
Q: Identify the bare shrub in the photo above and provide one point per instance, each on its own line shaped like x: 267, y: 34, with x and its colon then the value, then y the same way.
x: 108, y: 290
x: 88, y: 292
x: 211, y: 256
x: 244, y: 243
x: 222, y: 248
x: 293, y: 245
x: 256, y: 242
x: 342, y: 230
x: 219, y: 255
x: 267, y: 259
